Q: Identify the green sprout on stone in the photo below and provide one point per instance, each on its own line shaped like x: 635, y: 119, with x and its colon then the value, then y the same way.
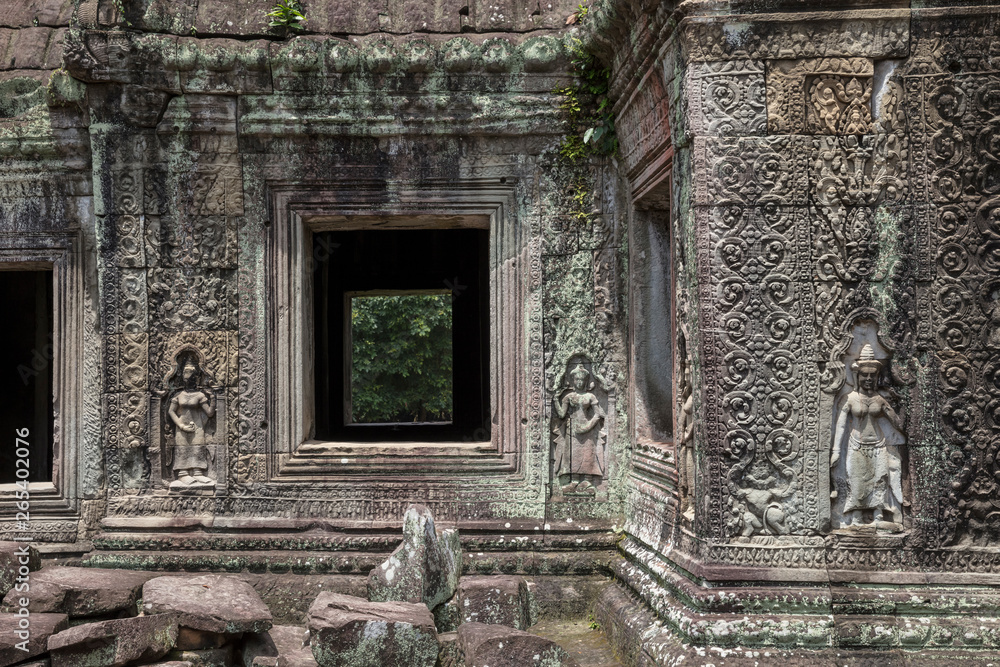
x: 287, y: 14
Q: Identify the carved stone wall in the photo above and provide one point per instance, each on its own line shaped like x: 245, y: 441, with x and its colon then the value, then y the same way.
x: 834, y: 266
x: 192, y: 156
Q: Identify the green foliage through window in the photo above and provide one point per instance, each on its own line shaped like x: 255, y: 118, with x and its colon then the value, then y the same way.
x: 401, y: 358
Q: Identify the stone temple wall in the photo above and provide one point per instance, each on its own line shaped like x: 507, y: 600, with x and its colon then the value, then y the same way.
x: 180, y: 156
x: 781, y: 297
x: 834, y: 463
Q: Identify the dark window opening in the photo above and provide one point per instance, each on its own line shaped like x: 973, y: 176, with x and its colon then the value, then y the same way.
x: 26, y: 373
x: 402, y: 335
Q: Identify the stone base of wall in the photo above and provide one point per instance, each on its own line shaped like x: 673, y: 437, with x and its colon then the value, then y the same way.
x: 839, y: 624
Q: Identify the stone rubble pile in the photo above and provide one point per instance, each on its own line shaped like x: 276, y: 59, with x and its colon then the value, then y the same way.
x: 89, y: 617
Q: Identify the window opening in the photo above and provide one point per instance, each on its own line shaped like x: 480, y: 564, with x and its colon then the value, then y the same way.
x: 360, y: 375
x: 26, y: 372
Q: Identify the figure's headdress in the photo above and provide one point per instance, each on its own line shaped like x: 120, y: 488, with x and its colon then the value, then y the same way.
x: 866, y: 360
x: 579, y: 371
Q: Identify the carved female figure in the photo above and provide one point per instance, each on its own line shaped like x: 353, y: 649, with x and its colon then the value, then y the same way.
x: 579, y: 459
x: 869, y: 433
x: 687, y: 447
x: 191, y: 409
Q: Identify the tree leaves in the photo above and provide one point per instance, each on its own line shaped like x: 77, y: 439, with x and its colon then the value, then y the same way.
x: 401, y: 365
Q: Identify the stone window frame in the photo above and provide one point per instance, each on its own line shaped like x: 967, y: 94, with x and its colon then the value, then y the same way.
x: 60, y: 253
x: 296, y: 210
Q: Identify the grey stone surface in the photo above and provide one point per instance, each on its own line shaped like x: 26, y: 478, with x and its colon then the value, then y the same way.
x: 483, y: 645
x: 212, y: 602
x: 258, y: 645
x: 13, y: 556
x: 352, y: 632
x: 498, y: 600
x: 83, y: 591
x: 449, y: 655
x: 209, y: 657
x: 40, y: 628
x: 114, y: 643
x: 292, y: 649
x: 424, y: 568
x: 447, y: 616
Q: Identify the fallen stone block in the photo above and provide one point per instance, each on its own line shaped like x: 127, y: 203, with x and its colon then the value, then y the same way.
x: 171, y: 663
x: 82, y: 591
x: 210, y: 657
x: 13, y: 557
x: 495, y: 600
x: 424, y: 568
x: 114, y: 643
x: 211, y: 603
x: 484, y: 645
x: 40, y: 628
x: 346, y: 631
x: 292, y: 649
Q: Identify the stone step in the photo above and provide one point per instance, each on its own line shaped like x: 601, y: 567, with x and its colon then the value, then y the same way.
x: 35, y: 641
x: 82, y: 592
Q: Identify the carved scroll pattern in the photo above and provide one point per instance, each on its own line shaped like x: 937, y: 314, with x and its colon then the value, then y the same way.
x: 756, y: 335
x: 727, y: 98
x: 958, y: 131
x: 757, y: 324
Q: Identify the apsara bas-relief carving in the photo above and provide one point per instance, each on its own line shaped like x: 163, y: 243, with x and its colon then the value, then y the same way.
x: 191, y: 418
x: 866, y: 453
x: 580, y: 432
x: 826, y: 96
x: 685, y: 456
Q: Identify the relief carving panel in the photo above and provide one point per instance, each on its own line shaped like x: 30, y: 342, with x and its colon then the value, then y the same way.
x: 580, y: 431
x: 193, y: 299
x: 956, y: 123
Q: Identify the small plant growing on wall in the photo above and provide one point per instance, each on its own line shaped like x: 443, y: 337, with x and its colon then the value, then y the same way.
x: 287, y: 15
x: 590, y: 114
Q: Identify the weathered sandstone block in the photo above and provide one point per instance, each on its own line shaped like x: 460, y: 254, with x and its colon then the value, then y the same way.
x: 346, y: 631
x: 41, y: 627
x: 82, y: 591
x: 497, y: 600
x: 211, y: 603
x: 13, y: 556
x: 424, y: 568
x: 484, y: 645
x: 114, y: 643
